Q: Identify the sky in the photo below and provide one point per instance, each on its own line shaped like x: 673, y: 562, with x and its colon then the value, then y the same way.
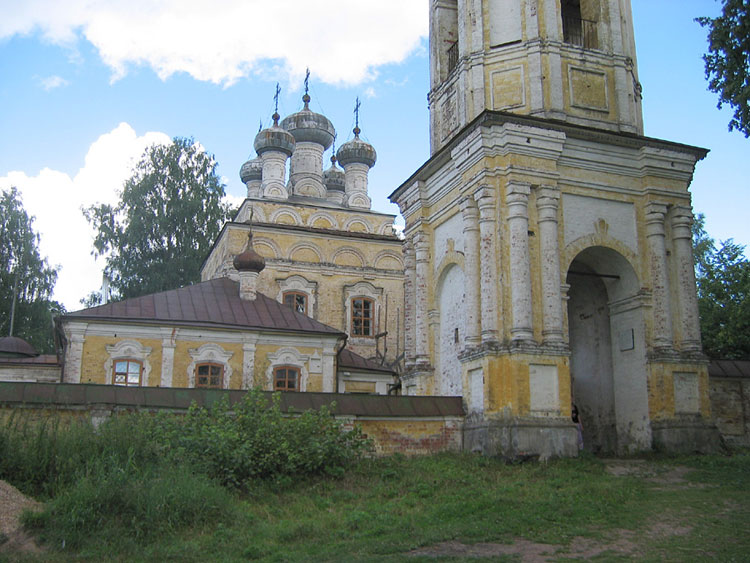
x: 87, y: 85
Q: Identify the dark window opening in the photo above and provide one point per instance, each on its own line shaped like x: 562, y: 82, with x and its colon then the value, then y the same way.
x: 576, y: 30
x: 209, y: 375
x: 362, y: 316
x: 296, y: 300
x: 286, y: 378
x: 452, y: 56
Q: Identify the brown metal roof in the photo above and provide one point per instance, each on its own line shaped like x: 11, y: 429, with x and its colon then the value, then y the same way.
x: 214, y: 303
x: 352, y: 361
x: 17, y: 347
x: 729, y: 368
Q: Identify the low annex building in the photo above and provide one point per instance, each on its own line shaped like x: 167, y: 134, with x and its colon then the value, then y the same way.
x: 215, y: 334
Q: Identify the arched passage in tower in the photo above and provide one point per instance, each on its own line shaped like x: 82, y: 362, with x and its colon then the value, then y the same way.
x: 608, y: 351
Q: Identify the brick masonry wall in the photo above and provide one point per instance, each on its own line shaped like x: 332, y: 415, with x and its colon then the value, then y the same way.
x: 730, y: 407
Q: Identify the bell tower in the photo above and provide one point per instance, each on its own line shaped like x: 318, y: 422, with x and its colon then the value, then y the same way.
x: 566, y: 60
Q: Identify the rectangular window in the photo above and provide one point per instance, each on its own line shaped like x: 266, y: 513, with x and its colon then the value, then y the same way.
x: 362, y: 316
x: 209, y: 375
x: 127, y: 372
x: 296, y: 300
x: 286, y: 378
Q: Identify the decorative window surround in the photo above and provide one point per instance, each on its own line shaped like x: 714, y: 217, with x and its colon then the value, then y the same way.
x: 209, y: 353
x: 128, y: 350
x: 369, y: 291
x: 288, y: 357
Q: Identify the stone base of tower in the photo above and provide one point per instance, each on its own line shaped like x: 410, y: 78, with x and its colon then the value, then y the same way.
x: 521, y: 437
x: 686, y: 436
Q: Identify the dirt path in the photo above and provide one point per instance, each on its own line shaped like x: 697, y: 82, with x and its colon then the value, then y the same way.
x: 12, y: 537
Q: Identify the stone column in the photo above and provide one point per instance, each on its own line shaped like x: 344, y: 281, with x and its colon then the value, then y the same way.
x: 489, y: 279
x: 167, y: 356
x: 409, y: 302
x: 471, y: 270
x: 547, y: 203
x: 662, y: 330
x: 520, y: 268
x: 422, y: 256
x: 248, y: 361
x: 682, y: 237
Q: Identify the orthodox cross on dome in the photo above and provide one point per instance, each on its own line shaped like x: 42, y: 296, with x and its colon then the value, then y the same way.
x: 276, y: 105
x: 306, y: 97
x: 333, y: 150
x: 260, y: 126
x: 357, y: 130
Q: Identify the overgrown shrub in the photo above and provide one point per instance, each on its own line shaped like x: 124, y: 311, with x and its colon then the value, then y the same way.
x: 139, y: 475
x: 254, y: 440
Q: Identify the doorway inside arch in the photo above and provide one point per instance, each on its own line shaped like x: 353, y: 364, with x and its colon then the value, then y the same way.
x: 608, y: 352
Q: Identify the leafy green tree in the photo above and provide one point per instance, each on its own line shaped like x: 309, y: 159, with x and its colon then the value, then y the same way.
x: 170, y: 211
x: 723, y: 279
x: 727, y: 61
x: 24, y: 272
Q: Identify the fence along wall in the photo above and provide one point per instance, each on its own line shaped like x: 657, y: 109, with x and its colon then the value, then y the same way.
x: 408, y: 425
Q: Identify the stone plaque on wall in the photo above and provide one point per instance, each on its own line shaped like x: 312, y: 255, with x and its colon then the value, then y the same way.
x: 686, y: 396
x: 543, y: 389
x: 508, y: 88
x: 588, y: 89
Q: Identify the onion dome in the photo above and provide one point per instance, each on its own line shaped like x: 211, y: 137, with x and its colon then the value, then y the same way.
x: 249, y: 260
x: 333, y: 177
x: 309, y: 127
x: 251, y: 170
x: 356, y: 150
x: 274, y: 138
x: 12, y: 346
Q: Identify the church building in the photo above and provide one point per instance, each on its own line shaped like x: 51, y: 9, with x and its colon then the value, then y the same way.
x: 546, y: 260
x: 548, y: 243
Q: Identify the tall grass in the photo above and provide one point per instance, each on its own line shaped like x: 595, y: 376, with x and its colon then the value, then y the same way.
x: 138, y: 476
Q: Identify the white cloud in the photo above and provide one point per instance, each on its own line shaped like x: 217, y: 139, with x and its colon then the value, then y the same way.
x: 52, y: 82
x: 341, y: 41
x: 56, y: 199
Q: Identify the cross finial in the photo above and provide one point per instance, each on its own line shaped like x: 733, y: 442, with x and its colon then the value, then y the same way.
x: 276, y: 106
x: 260, y: 125
x: 306, y: 97
x: 333, y: 150
x: 356, y: 117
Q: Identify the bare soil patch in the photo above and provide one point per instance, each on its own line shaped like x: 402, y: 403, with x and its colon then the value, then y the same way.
x: 12, y: 537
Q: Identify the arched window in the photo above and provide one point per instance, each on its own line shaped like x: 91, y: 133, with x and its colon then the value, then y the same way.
x: 363, y: 309
x: 296, y: 300
x: 127, y: 372
x: 209, y: 375
x: 286, y: 378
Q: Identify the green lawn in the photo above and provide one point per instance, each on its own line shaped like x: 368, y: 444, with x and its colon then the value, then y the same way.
x: 653, y: 508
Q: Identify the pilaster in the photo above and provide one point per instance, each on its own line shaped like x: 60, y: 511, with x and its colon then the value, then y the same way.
x: 470, y: 215
x: 548, y: 202
x: 517, y: 199
x: 422, y: 257
x: 409, y: 302
x: 489, y: 279
x: 655, y: 233
x: 682, y: 238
